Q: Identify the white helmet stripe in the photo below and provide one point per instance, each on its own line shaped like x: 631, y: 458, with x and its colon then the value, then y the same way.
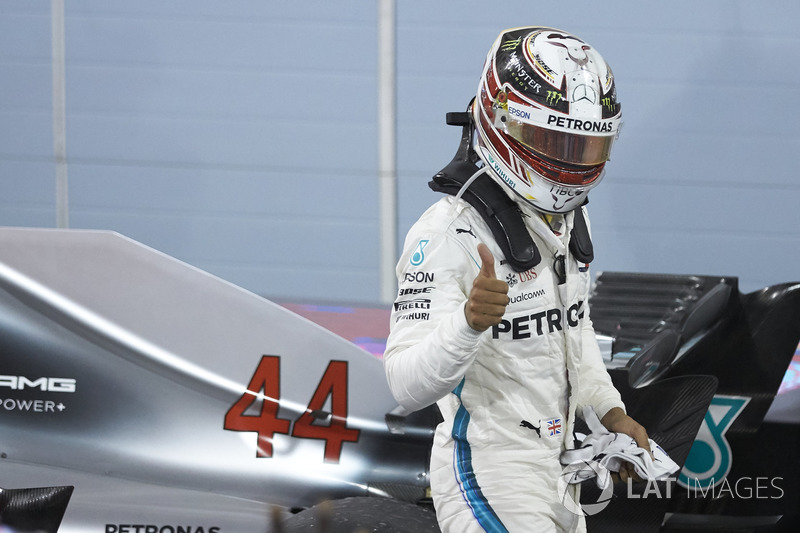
x: 541, y: 117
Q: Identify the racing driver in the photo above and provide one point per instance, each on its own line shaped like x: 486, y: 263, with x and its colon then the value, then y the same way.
x: 491, y: 321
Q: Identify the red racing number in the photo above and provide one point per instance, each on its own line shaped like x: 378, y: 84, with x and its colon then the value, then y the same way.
x: 310, y: 425
x: 266, y: 423
x: 334, y: 385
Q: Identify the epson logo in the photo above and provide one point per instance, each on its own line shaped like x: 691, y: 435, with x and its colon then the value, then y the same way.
x: 43, y: 384
x: 519, y: 112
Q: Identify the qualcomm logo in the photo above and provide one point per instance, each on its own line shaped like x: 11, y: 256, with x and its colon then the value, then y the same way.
x: 710, y: 458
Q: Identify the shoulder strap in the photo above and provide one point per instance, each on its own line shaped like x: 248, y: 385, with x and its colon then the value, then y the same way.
x: 500, y: 213
x: 580, y: 242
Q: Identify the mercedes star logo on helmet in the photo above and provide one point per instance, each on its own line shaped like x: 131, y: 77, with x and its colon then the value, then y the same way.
x: 584, y: 92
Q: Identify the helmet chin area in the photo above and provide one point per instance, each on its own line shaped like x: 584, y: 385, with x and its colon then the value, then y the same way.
x: 536, y: 190
x: 555, y: 197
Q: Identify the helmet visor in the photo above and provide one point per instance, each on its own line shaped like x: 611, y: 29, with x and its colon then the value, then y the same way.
x: 563, y: 146
x: 557, y: 171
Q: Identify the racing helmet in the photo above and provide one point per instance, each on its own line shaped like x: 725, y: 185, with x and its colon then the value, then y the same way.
x: 546, y: 116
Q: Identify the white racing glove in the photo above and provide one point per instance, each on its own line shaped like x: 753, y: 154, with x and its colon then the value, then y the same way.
x: 610, y: 450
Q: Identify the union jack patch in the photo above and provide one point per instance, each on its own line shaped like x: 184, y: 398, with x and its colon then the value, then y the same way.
x: 554, y: 427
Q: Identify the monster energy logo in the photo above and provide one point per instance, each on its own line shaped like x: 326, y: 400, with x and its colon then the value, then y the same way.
x: 553, y: 97
x: 510, y: 45
x: 607, y: 103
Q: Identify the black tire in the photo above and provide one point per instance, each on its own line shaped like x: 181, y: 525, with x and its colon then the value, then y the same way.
x: 363, y: 514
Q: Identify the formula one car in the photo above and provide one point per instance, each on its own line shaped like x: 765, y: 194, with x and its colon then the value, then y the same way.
x: 140, y: 394
x: 165, y: 399
x: 689, y: 345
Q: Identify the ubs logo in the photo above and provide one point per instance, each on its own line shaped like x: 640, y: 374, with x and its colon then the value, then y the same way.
x: 521, y: 277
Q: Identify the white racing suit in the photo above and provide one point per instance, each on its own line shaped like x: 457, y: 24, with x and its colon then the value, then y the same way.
x: 508, y: 395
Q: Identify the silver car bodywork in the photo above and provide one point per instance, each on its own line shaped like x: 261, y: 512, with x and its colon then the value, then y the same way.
x: 168, y: 397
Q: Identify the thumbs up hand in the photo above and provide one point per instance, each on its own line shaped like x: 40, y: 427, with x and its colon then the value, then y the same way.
x: 489, y: 296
